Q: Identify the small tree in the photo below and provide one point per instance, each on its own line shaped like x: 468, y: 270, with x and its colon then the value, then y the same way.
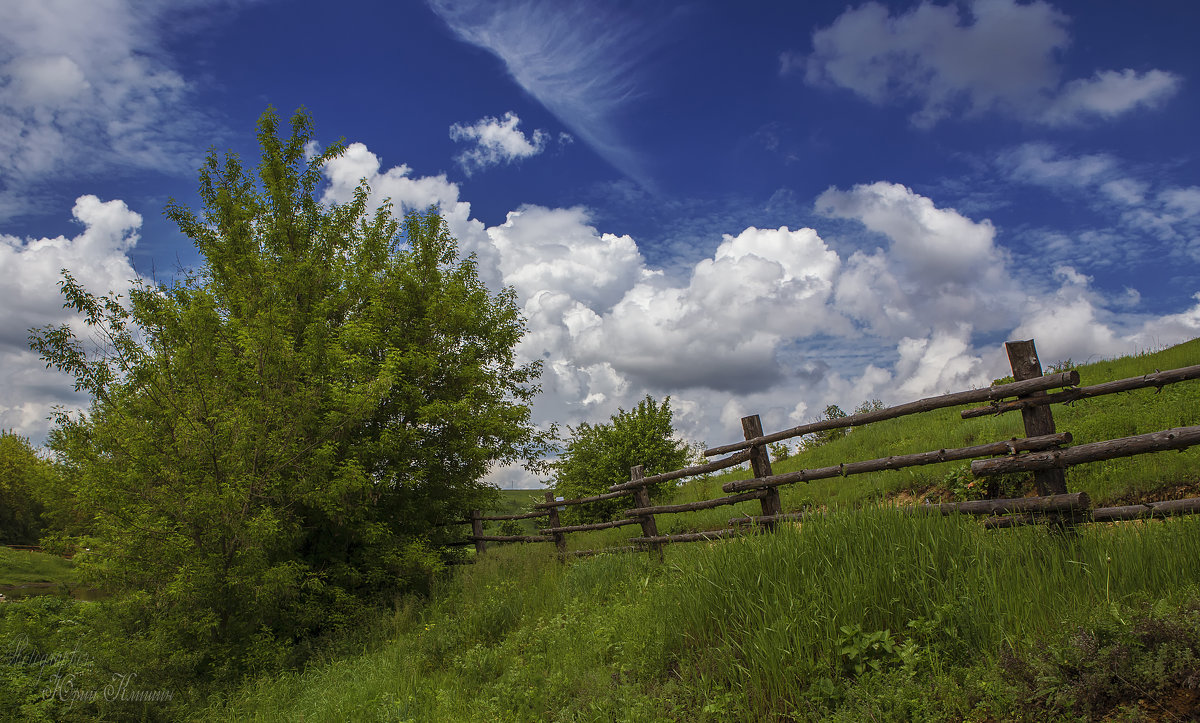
x: 869, y: 405
x: 826, y: 436
x: 598, y: 456
x: 272, y: 437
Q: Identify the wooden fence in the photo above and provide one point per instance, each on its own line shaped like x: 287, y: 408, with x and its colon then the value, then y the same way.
x: 1043, y: 451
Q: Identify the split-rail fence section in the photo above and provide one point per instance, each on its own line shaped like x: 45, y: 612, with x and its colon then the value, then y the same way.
x: 1043, y: 451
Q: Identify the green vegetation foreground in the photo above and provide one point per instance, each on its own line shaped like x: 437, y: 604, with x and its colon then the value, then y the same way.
x: 270, y: 440
x: 856, y: 615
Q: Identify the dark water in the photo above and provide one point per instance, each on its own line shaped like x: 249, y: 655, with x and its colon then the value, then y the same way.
x: 34, y: 589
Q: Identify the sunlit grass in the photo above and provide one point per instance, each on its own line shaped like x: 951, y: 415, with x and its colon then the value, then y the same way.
x: 746, y: 629
x: 24, y: 566
x: 765, y: 627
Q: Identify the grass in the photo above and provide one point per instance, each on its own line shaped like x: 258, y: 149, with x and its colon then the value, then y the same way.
x: 855, y: 614
x: 898, y: 617
x: 18, y: 567
x: 859, y: 613
x: 1164, y: 475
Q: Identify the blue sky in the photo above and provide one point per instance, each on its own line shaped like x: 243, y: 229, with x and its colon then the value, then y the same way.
x: 753, y: 207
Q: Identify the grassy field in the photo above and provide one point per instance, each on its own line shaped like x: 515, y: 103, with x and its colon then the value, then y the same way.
x: 858, y: 614
x: 18, y: 567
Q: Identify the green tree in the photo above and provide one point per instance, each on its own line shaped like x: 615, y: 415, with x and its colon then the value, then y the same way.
x: 24, y: 479
x: 600, y: 455
x: 272, y: 436
x: 825, y: 436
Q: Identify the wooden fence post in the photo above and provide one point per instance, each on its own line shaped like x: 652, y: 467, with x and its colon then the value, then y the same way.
x: 760, y: 463
x: 560, y: 539
x: 1023, y: 358
x: 641, y: 498
x: 477, y: 531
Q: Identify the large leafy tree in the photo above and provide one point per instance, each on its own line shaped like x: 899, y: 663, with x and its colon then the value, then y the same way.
x: 25, y: 479
x: 600, y: 455
x: 272, y: 437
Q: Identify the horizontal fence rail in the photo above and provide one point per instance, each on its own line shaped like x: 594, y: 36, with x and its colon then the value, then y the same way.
x: 1179, y: 438
x: 524, y: 516
x: 999, y: 391
x: 730, y: 461
x: 1158, y: 379
x: 690, y: 537
x: 1043, y: 451
x: 1011, y: 447
x: 581, y: 500
x: 696, y: 506
x: 592, y: 526
x: 1076, y: 502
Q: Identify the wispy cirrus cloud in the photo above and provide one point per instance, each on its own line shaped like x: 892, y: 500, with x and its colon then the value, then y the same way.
x: 578, y: 59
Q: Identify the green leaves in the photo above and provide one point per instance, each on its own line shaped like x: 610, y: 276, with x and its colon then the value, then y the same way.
x: 600, y: 455
x: 272, y: 437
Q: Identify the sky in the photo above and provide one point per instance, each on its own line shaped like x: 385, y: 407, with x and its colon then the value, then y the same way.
x: 754, y: 208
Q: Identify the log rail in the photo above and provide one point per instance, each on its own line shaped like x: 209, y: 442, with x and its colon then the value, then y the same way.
x: 1043, y: 451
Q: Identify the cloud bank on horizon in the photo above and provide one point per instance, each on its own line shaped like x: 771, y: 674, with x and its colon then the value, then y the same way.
x: 878, y: 286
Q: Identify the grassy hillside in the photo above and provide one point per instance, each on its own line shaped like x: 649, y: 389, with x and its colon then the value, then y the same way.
x: 1165, y: 475
x: 860, y: 614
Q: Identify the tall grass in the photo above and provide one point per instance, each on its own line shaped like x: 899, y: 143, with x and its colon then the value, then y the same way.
x: 860, y: 612
x: 778, y: 604
x: 752, y: 629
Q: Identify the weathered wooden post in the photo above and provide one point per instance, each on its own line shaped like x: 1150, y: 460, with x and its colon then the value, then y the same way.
x: 760, y: 464
x: 477, y: 531
x: 560, y: 539
x: 1039, y: 420
x: 641, y: 498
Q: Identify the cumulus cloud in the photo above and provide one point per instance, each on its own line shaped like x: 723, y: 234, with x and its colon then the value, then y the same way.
x: 1004, y: 56
x: 552, y: 251
x: 84, y: 87
x: 1076, y: 322
x: 409, y: 193
x: 496, y: 141
x: 30, y: 270
x: 775, y: 321
x: 578, y: 59
x: 939, y: 269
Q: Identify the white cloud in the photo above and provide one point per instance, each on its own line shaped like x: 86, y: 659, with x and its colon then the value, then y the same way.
x: 578, y: 59
x: 30, y: 270
x: 1042, y: 164
x: 557, y: 250
x: 775, y: 321
x: 1109, y: 94
x: 1142, y: 209
x: 1004, y: 56
x: 496, y: 141
x: 85, y: 87
x: 940, y: 269
x: 1075, y: 323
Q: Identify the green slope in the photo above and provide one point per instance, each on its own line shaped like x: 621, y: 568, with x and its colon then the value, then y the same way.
x: 860, y: 614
